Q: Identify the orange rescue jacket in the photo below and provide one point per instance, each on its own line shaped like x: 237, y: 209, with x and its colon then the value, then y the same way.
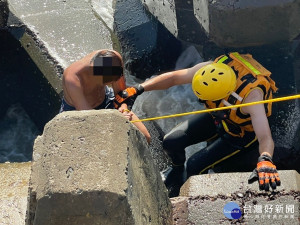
x: 250, y: 75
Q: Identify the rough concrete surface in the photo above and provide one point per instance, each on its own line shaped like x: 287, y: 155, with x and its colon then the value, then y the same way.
x: 203, y: 198
x: 178, y: 17
x: 58, y: 33
x: 165, y: 11
x: 229, y: 23
x: 224, y: 183
x: 258, y: 210
x: 94, y: 167
x: 14, y: 185
x: 143, y: 40
x: 249, y: 23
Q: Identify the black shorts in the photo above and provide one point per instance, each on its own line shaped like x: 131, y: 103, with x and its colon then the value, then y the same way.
x: 106, y: 104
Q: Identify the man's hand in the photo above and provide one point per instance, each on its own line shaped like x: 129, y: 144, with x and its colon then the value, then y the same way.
x: 128, y: 96
x: 265, y: 173
x: 126, y: 112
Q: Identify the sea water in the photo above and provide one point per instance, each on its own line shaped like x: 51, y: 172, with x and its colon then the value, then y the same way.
x: 17, y: 134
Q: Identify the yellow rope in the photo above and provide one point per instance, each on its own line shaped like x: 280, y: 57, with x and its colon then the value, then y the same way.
x: 221, y: 108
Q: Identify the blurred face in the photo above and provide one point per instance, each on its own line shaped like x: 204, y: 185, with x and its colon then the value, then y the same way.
x: 107, y: 64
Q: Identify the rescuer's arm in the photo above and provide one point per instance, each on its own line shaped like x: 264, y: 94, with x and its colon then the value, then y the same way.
x: 260, y: 122
x: 170, y: 79
x: 160, y: 82
x: 266, y: 170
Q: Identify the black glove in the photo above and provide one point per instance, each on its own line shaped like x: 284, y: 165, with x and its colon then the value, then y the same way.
x: 265, y: 173
x: 128, y: 96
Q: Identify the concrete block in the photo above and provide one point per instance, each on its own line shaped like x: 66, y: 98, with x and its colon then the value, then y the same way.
x: 204, y: 198
x: 255, y: 210
x: 178, y: 17
x: 14, y: 192
x: 248, y: 23
x: 180, y: 210
x: 94, y: 167
x: 226, y: 183
x: 165, y: 12
x: 56, y: 34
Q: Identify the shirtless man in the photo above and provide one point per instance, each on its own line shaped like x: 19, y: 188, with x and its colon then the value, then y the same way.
x: 92, y: 83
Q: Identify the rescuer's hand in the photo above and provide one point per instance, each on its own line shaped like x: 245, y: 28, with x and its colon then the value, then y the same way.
x: 128, y: 96
x: 265, y: 173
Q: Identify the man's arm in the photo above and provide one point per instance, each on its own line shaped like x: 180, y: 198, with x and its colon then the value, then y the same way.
x: 131, y: 116
x: 142, y: 128
x: 72, y: 87
x: 265, y: 172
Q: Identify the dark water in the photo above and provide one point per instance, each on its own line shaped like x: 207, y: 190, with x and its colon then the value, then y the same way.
x: 17, y: 135
x: 27, y: 101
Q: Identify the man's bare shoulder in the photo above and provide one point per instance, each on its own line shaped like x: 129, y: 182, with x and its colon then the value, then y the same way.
x: 80, y: 66
x: 75, y: 68
x: 83, y: 62
x: 87, y: 59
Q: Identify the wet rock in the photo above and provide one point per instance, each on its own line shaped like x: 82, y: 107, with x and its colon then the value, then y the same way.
x: 178, y: 17
x: 229, y: 23
x: 3, y: 13
x: 217, y: 16
x: 147, y: 46
x: 160, y: 158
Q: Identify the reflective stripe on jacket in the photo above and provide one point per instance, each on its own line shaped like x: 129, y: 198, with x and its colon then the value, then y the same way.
x: 250, y: 75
